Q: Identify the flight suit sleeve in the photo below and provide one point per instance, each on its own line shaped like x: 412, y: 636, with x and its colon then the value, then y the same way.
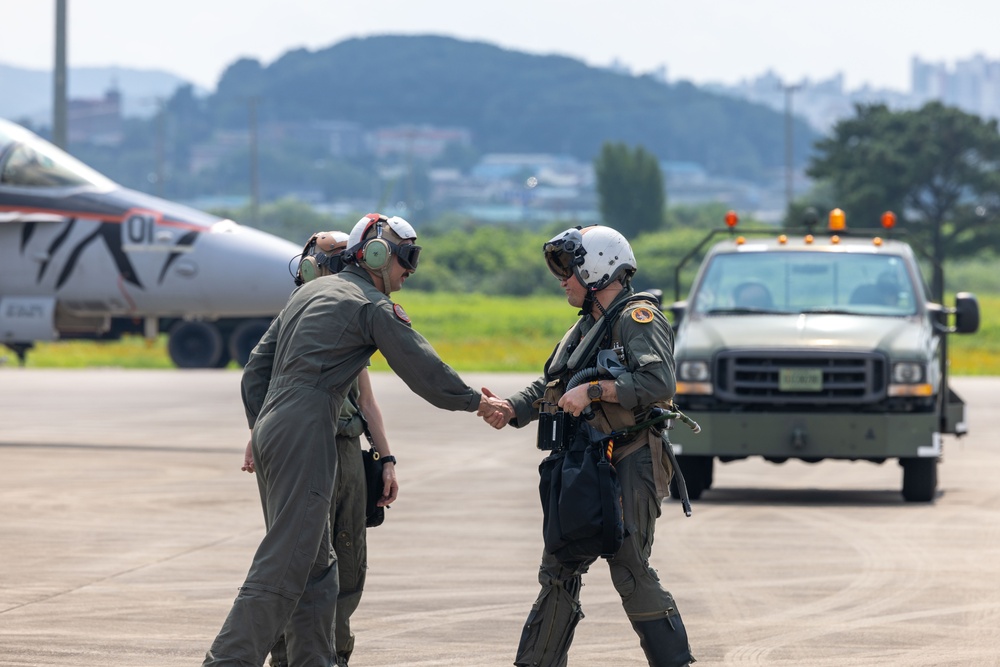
x: 416, y: 363
x: 649, y: 349
x: 524, y: 402
x: 257, y: 372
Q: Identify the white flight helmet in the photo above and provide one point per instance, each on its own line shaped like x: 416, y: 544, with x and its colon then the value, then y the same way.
x: 375, y: 239
x: 398, y: 226
x: 596, y: 255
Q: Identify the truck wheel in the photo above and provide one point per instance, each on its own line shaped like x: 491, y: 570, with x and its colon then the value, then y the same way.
x: 697, y: 471
x: 919, y: 479
x: 245, y: 337
x: 195, y: 344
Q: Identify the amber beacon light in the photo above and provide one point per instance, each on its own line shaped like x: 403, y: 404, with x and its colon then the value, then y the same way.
x: 838, y: 221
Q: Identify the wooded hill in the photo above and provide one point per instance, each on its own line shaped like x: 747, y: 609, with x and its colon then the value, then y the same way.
x: 511, y: 101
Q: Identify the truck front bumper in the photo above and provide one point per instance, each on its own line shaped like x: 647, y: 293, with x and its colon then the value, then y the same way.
x: 783, y: 435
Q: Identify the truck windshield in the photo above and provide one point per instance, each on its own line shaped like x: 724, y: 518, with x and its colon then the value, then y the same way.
x: 801, y: 282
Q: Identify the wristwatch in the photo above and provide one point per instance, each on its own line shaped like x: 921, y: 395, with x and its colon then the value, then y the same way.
x: 594, y: 391
x: 387, y: 459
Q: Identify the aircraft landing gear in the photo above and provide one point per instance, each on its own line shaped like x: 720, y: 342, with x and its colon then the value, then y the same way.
x: 201, y: 344
x: 21, y: 350
x: 245, y: 337
x: 196, y: 344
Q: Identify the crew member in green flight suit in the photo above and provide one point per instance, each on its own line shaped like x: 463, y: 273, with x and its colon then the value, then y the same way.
x: 595, y: 266
x: 322, y: 256
x: 293, y: 388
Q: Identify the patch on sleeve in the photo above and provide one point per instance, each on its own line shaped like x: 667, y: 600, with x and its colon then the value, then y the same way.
x: 400, y: 313
x: 642, y: 315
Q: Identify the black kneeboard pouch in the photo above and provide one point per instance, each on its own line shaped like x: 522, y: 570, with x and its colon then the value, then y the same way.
x: 374, y: 515
x: 580, y: 493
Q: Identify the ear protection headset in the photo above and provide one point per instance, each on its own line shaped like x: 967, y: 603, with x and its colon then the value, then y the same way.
x: 308, y: 270
x: 376, y: 252
x: 319, y: 257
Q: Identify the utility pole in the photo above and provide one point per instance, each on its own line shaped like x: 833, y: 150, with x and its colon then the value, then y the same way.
x: 254, y: 171
x: 161, y: 140
x: 59, y: 134
x: 789, y: 146
x: 410, y: 197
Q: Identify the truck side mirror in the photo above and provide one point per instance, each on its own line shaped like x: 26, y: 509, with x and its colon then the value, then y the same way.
x: 677, y: 310
x: 966, y: 313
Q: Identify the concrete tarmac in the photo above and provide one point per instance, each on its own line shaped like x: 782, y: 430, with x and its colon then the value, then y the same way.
x: 126, y: 528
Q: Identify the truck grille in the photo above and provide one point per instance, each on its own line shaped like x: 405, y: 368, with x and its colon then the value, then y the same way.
x: 755, y: 377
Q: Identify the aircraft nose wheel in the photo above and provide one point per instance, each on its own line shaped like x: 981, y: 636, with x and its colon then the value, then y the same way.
x: 245, y: 337
x: 196, y: 344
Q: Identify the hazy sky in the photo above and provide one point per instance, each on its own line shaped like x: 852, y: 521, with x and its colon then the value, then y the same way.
x: 869, y: 41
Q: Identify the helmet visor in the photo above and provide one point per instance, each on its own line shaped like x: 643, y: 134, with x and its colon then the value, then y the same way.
x: 408, y: 255
x: 564, y: 253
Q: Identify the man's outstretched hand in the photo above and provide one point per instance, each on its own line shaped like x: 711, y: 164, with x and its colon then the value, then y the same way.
x: 494, y: 410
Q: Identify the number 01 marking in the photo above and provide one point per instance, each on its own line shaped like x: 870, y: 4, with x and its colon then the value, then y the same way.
x: 138, y: 228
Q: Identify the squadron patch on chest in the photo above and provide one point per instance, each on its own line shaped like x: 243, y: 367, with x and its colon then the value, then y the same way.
x: 642, y: 315
x: 400, y: 313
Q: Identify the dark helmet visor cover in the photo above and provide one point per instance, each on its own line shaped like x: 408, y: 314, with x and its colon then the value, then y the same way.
x: 408, y: 255
x: 564, y: 252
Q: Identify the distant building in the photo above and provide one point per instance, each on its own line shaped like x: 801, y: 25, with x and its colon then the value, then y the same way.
x: 96, y: 121
x: 341, y: 139
x: 927, y: 80
x: 973, y: 85
x: 520, y: 187
x: 821, y: 103
x: 419, y: 142
x: 682, y: 174
x: 223, y: 144
x: 515, y: 165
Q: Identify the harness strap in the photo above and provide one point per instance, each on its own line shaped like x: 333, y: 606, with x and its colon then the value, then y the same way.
x: 607, y: 504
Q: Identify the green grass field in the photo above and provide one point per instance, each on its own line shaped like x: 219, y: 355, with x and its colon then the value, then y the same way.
x: 479, y: 333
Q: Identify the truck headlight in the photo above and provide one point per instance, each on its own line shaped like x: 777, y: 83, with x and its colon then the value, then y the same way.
x: 907, y: 372
x: 909, y: 379
x: 694, y: 377
x: 693, y: 371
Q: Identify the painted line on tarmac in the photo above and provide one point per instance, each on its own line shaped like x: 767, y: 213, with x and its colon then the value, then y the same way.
x: 134, y: 448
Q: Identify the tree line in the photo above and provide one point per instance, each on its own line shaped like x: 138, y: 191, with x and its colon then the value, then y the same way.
x: 511, y: 102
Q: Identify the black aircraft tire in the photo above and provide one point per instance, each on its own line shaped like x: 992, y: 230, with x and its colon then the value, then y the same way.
x: 919, y: 479
x: 244, y: 338
x: 195, y: 344
x: 223, y: 359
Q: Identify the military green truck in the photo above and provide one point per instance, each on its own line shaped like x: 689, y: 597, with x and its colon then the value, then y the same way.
x: 810, y: 346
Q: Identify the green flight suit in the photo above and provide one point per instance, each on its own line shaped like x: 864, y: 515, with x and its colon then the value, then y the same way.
x: 347, y: 526
x: 347, y: 530
x: 293, y: 389
x: 647, y: 340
